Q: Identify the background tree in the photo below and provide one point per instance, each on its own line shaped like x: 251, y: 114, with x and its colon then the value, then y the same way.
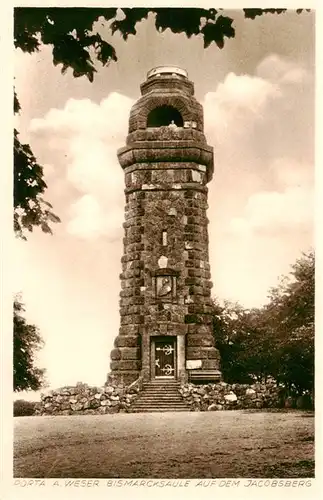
x: 290, y: 316
x: 27, y: 342
x: 241, y: 337
x: 276, y: 340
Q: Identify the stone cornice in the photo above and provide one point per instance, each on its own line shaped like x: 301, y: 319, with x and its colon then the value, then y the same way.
x: 166, y: 151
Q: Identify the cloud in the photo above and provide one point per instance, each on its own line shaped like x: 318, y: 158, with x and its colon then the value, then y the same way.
x: 90, y: 220
x: 87, y: 136
x: 243, y: 107
x: 279, y: 70
x: 85, y: 117
x: 272, y: 211
x: 291, y: 172
x: 246, y: 92
x: 234, y: 110
x: 261, y: 197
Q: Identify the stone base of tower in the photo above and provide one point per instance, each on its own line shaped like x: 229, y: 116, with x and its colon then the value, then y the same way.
x: 194, y: 358
x: 126, y: 356
x: 124, y: 378
x: 203, y: 359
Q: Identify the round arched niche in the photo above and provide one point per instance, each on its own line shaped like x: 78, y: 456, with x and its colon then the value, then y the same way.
x: 163, y: 116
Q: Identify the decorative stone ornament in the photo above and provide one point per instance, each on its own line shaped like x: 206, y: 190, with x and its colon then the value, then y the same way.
x: 165, y: 297
x: 164, y: 284
x: 162, y: 262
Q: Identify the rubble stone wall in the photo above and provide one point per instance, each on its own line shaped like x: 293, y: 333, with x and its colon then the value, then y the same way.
x: 85, y: 400
x: 223, y: 396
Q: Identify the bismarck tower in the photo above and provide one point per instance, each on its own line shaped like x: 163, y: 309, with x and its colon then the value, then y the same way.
x: 165, y: 298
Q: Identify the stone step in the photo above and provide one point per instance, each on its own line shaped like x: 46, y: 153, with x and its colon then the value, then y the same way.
x: 162, y: 382
x: 162, y: 387
x: 153, y: 404
x: 165, y: 390
x: 162, y: 393
x: 158, y: 403
x: 155, y: 397
x: 160, y: 408
x: 159, y: 386
x: 156, y: 410
x: 159, y: 396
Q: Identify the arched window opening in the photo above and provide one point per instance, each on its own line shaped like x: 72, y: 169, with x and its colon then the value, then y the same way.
x: 163, y: 116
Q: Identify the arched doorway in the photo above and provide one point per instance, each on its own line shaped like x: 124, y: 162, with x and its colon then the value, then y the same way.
x: 163, y: 116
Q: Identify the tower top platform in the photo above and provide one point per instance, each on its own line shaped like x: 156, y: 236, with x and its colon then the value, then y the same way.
x: 168, y: 70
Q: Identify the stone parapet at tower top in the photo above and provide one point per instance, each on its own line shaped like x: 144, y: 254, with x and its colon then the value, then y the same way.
x: 165, y: 298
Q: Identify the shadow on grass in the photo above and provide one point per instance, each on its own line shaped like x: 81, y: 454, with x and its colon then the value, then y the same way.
x: 301, y: 469
x: 300, y: 413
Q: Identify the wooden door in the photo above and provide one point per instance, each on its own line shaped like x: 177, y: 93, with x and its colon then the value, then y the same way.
x: 165, y: 358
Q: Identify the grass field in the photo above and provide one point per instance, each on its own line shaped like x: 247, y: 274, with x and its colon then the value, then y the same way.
x: 166, y: 445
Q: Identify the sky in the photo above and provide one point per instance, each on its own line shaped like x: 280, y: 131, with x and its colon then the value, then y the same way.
x: 258, y: 98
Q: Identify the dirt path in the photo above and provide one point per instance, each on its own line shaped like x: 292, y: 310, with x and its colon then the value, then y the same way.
x: 172, y: 445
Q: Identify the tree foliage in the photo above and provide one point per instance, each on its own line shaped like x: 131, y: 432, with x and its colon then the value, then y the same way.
x: 30, y: 208
x: 72, y: 33
x: 276, y: 340
x: 26, y: 342
x: 241, y: 338
x: 290, y: 315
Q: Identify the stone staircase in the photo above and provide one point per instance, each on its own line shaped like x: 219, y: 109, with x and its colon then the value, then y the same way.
x: 159, y: 396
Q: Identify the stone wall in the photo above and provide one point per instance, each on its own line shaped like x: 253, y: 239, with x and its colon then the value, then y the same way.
x: 223, y: 396
x: 85, y: 400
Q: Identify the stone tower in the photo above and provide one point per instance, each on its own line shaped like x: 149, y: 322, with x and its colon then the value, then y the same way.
x: 165, y: 302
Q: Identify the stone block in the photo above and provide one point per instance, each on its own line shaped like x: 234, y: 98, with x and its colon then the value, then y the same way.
x: 125, y: 365
x: 210, y: 364
x: 195, y: 353
x: 199, y: 341
x: 197, y: 290
x: 194, y: 273
x: 130, y: 330
x: 206, y: 330
x: 193, y: 280
x: 231, y: 397
x: 129, y: 353
x: 127, y: 341
x: 115, y: 354
x: 192, y: 328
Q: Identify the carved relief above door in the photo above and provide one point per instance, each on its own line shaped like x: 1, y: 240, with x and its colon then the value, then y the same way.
x: 164, y: 282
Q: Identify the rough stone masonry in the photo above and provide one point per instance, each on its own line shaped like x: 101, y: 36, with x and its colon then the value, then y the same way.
x: 165, y: 298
